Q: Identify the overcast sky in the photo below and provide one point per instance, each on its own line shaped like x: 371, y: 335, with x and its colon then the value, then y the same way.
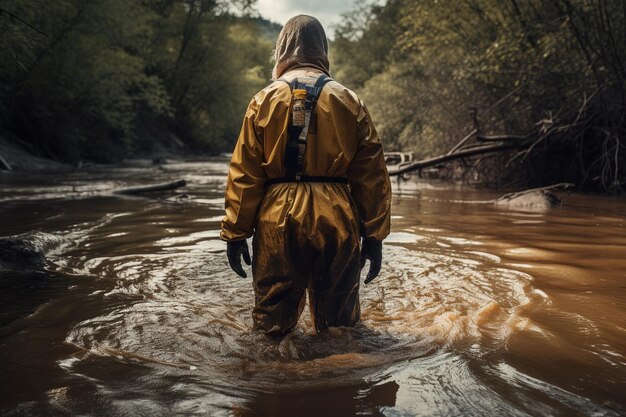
x: 327, y: 11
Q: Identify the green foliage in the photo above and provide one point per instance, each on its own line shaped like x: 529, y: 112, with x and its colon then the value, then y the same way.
x: 363, y: 41
x: 557, y: 63
x: 105, y: 69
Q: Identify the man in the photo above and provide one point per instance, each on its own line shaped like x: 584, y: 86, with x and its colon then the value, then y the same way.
x: 307, y: 179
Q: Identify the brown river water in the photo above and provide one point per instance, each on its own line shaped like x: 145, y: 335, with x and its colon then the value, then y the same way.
x: 478, y: 311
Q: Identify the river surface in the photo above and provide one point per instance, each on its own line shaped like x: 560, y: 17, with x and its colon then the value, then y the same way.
x: 478, y: 311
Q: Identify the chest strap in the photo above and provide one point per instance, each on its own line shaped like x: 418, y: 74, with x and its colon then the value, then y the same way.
x: 306, y: 178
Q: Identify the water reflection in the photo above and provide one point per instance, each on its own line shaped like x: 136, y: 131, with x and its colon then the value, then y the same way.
x: 478, y: 311
x: 364, y: 399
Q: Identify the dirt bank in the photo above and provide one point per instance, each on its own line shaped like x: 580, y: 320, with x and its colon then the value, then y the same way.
x: 16, y: 157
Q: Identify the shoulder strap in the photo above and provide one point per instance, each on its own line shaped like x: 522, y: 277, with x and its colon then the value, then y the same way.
x: 287, y: 82
x: 296, y: 143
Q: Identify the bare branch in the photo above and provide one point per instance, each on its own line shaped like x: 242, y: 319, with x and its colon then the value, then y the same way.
x: 479, y: 150
x: 11, y: 15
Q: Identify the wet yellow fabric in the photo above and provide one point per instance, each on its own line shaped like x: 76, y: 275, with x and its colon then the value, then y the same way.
x: 306, y: 235
x: 345, y: 144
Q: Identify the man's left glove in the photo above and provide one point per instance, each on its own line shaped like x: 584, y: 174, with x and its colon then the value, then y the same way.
x: 372, y: 249
x: 234, y: 251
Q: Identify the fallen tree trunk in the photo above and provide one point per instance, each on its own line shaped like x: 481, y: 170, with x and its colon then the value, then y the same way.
x: 462, y: 142
x: 463, y: 153
x: 164, y: 186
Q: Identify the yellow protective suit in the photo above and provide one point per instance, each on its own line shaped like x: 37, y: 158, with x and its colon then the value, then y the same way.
x: 306, y: 234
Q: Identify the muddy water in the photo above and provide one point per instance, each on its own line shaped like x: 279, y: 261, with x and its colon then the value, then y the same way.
x: 478, y: 310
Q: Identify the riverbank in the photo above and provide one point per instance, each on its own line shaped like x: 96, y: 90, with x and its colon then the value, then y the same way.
x: 496, y: 172
x: 15, y: 156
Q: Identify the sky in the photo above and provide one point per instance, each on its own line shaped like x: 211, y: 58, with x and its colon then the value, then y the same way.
x: 327, y: 11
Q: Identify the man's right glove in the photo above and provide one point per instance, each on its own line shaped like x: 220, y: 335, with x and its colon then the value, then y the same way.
x: 234, y: 251
x: 373, y: 250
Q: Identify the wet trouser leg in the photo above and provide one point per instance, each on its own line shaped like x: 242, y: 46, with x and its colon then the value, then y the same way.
x: 334, y: 287
x: 279, y: 298
x: 278, y: 306
x: 283, y: 272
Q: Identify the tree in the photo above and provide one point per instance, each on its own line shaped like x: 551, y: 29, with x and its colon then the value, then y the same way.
x: 551, y: 68
x: 104, y: 79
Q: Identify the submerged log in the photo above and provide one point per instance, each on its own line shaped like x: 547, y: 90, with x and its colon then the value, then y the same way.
x: 16, y: 251
x: 27, y: 251
x: 4, y: 165
x: 535, y: 199
x: 164, y: 186
x: 531, y: 201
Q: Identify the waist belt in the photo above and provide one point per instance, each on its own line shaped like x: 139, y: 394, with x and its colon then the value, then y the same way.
x: 307, y: 178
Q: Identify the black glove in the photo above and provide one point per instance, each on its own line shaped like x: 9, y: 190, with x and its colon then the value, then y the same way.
x: 234, y: 250
x: 373, y: 250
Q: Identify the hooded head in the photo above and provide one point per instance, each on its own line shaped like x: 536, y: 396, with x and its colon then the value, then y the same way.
x: 301, y: 43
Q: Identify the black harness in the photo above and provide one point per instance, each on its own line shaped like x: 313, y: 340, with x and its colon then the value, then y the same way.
x: 297, y: 141
x: 307, y: 178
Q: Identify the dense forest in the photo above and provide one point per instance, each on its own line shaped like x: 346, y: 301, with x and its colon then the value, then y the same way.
x: 104, y: 79
x: 552, y: 72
